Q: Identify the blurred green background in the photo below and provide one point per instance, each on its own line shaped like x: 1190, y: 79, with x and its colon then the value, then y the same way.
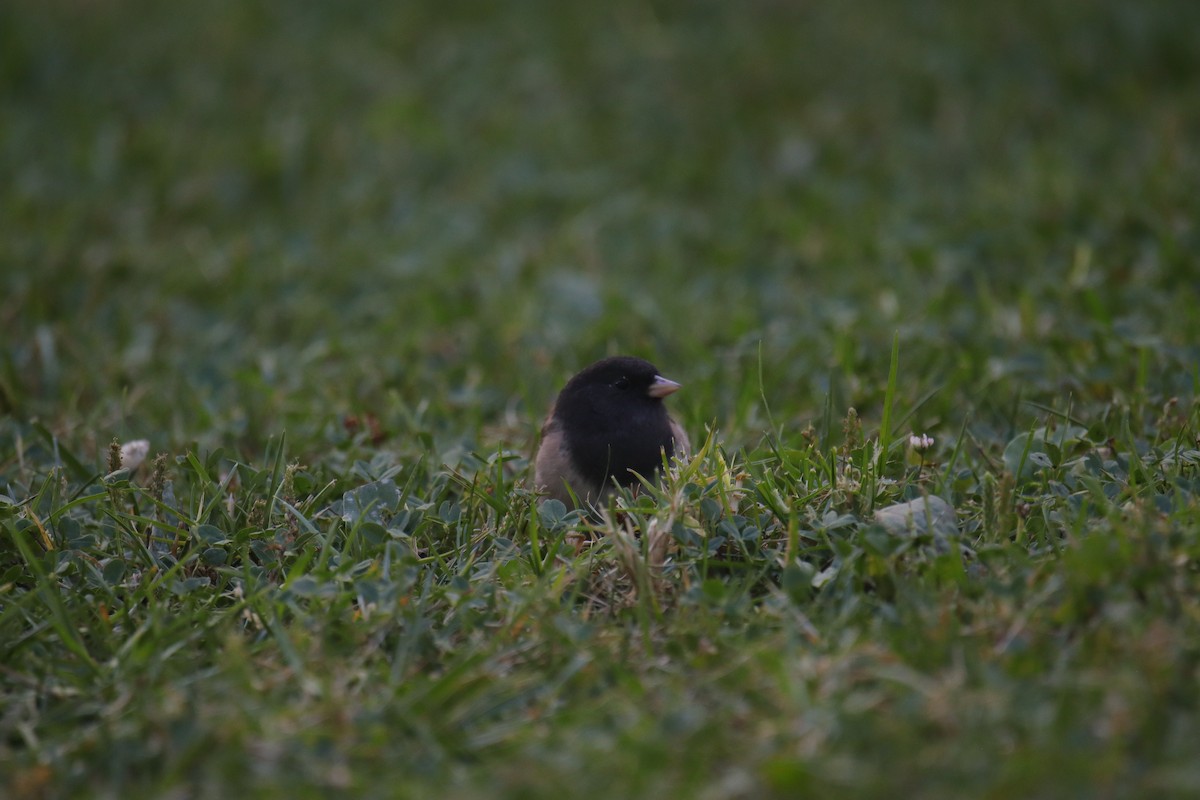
x: 227, y: 218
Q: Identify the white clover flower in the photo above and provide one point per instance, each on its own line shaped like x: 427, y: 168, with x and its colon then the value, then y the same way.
x: 920, y: 442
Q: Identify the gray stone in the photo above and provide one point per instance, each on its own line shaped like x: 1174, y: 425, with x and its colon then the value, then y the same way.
x: 923, y: 515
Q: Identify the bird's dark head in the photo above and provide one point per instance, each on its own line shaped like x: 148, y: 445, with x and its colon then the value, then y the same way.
x: 618, y: 382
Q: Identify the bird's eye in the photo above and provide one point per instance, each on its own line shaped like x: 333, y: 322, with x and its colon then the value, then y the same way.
x: 622, y: 384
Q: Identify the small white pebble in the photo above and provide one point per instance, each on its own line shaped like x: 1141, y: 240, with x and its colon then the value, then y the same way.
x: 134, y: 453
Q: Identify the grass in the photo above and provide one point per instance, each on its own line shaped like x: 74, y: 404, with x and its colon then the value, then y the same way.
x: 333, y: 261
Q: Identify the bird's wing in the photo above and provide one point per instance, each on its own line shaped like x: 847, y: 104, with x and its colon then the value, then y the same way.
x: 554, y: 470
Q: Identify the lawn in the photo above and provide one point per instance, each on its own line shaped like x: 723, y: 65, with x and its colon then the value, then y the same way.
x: 332, y: 261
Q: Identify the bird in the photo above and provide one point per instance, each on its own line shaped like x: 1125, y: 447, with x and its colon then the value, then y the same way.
x: 607, y: 426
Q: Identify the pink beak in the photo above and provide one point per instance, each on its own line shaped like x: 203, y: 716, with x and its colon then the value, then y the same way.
x: 662, y: 387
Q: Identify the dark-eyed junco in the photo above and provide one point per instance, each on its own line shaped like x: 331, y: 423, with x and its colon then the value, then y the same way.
x: 608, y: 423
